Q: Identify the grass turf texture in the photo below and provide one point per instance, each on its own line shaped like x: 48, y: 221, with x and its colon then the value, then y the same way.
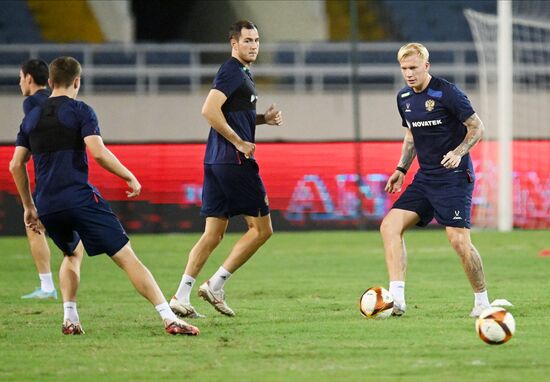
x: 297, y: 314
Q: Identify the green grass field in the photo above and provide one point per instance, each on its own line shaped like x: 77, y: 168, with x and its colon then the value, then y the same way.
x: 297, y: 314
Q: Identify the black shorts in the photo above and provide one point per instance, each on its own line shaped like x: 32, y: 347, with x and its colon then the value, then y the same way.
x: 95, y: 224
x: 446, y: 197
x: 231, y: 189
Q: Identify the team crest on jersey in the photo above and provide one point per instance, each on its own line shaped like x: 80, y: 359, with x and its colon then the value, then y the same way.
x: 407, y: 107
x: 430, y: 104
x: 253, y: 98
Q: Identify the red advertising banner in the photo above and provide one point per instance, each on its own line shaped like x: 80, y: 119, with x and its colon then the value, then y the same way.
x: 312, y: 185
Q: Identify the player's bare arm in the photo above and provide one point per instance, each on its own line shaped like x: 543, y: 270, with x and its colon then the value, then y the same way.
x: 272, y: 116
x: 474, y: 133
x: 212, y: 111
x: 106, y: 159
x: 18, y: 169
x: 408, y: 153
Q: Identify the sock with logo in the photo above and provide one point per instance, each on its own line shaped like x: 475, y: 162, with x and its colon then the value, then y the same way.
x: 46, y: 282
x: 69, y: 311
x: 184, y: 290
x: 397, y: 290
x: 218, y: 280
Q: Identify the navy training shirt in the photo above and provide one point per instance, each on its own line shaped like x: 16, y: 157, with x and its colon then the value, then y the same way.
x: 54, y: 133
x: 435, y: 117
x: 35, y: 100
x: 239, y: 109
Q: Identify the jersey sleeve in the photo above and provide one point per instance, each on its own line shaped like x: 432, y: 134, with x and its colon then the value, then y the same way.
x: 227, y: 80
x: 459, y: 104
x: 22, y: 138
x: 28, y: 105
x: 403, y: 121
x: 89, y: 122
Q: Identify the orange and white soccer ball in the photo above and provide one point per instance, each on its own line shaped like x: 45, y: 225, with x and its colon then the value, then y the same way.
x: 495, y: 325
x: 376, y: 302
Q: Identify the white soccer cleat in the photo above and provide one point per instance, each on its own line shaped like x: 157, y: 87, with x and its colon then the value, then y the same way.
x: 476, y: 311
x: 215, y: 298
x: 184, y: 310
x: 399, y: 308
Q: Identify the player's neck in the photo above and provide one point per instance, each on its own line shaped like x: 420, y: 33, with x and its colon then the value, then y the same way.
x: 67, y: 92
x: 424, y: 84
x: 35, y: 89
x: 246, y: 64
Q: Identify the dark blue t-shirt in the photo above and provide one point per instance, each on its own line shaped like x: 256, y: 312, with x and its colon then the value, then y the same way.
x: 239, y: 109
x: 435, y: 117
x: 35, y: 100
x: 54, y: 133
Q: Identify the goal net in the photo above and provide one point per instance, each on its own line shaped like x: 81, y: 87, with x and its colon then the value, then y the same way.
x: 530, y: 148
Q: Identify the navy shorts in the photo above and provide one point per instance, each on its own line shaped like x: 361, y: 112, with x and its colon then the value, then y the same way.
x: 231, y: 190
x: 447, y: 197
x: 95, y: 224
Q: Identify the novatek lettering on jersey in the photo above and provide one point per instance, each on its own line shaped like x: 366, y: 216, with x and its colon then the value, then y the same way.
x: 434, y: 122
x: 436, y: 118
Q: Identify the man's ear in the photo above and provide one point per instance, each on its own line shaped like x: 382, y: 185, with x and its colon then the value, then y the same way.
x: 50, y: 83
x: 76, y: 83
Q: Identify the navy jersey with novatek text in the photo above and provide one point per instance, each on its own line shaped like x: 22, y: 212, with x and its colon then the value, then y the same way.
x: 435, y: 117
x: 35, y: 100
x: 54, y: 133
x: 239, y: 109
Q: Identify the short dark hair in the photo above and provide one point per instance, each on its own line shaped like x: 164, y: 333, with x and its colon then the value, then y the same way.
x: 64, y: 70
x: 235, y: 29
x: 37, y: 69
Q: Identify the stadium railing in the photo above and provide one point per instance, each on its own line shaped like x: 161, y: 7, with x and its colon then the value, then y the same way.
x: 318, y: 66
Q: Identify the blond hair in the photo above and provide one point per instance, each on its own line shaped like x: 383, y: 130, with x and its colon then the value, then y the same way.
x: 411, y: 49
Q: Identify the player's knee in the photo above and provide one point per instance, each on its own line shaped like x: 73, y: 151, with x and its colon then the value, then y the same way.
x: 388, y: 228
x: 460, y: 244
x: 262, y: 233
x: 213, y: 238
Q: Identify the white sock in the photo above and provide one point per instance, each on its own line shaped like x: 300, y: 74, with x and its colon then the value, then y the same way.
x: 184, y: 290
x: 218, y: 280
x: 481, y: 298
x: 397, y: 290
x: 46, y: 282
x: 69, y: 311
x: 165, y: 311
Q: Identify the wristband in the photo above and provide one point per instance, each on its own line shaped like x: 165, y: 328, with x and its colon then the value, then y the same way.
x: 401, y: 169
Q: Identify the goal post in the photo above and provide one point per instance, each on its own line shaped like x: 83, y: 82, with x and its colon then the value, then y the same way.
x: 513, y: 49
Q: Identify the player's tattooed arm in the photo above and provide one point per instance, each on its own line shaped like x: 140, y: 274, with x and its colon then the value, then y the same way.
x: 408, y: 152
x: 474, y: 133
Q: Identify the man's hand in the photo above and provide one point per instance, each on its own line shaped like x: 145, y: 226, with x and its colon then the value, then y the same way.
x: 30, y: 217
x: 273, y: 116
x: 451, y: 160
x: 135, y: 188
x: 395, y: 182
x: 247, y: 148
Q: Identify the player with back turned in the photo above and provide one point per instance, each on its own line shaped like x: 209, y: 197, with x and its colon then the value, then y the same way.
x: 441, y: 129
x: 73, y: 212
x: 232, y: 183
x: 33, y: 78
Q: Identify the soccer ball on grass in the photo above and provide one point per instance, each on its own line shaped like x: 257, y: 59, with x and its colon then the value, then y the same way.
x: 376, y: 302
x: 495, y: 325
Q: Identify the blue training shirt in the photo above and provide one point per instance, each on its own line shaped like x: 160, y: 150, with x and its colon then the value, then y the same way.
x: 435, y: 117
x: 54, y: 133
x: 35, y: 100
x: 235, y: 81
